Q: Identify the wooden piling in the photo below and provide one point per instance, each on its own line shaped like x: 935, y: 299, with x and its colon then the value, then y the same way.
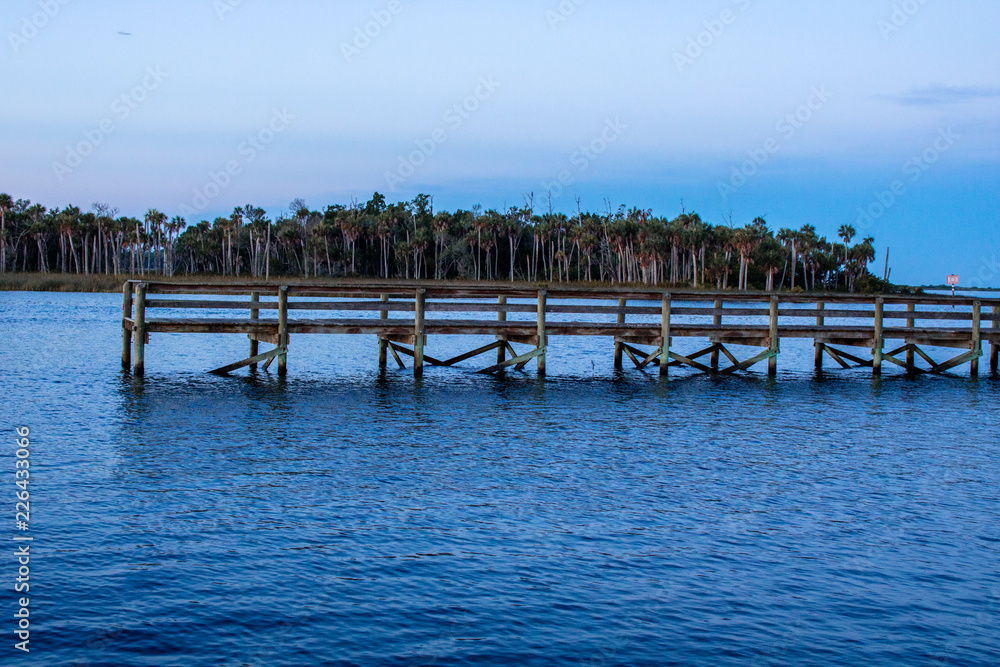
x: 618, y: 346
x: 772, y: 361
x: 977, y: 345
x: 502, y: 317
x: 910, y: 324
x: 418, y: 333
x: 283, y: 331
x: 995, y: 347
x: 139, y: 337
x: 665, y: 335
x: 716, y: 321
x: 126, y: 327
x: 879, y: 342
x: 818, y: 351
x: 254, y: 315
x: 383, y: 343
x: 542, y: 342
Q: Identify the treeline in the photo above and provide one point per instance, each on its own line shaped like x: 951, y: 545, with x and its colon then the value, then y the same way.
x: 411, y: 240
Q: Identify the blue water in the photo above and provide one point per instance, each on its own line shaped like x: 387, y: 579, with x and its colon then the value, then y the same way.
x: 593, y: 518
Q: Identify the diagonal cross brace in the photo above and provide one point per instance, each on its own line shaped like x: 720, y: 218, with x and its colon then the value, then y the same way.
x: 516, y: 361
x: 267, y: 356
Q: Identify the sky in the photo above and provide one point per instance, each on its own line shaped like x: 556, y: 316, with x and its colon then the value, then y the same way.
x: 883, y: 114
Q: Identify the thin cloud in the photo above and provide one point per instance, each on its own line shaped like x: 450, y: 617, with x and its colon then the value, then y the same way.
x: 937, y: 95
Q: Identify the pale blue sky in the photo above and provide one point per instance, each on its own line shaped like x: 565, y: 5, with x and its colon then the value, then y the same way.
x: 677, y: 118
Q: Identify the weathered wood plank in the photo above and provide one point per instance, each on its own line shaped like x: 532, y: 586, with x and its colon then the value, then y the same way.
x: 126, y: 326
x: 622, y: 304
x: 957, y: 361
x: 475, y: 353
x: 716, y: 321
x: 976, y: 341
x: 818, y: 346
x: 910, y: 322
x: 729, y: 355
x: 665, y: 335
x: 923, y: 355
x: 418, y: 333
x: 836, y: 356
x: 383, y: 343
x: 879, y: 340
x: 631, y: 352
x: 743, y: 365
x: 139, y: 337
x: 412, y: 353
x: 252, y: 361
x: 271, y: 339
x: 282, y: 331
x: 691, y: 362
x: 542, y: 337
x: 520, y: 360
x: 995, y: 346
x: 395, y: 356
x: 851, y: 357
x: 254, y: 315
x: 774, y: 341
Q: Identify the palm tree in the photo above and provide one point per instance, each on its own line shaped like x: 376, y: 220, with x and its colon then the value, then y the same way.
x: 6, y: 203
x: 846, y: 233
x: 155, y: 221
x: 770, y: 256
x: 788, y: 237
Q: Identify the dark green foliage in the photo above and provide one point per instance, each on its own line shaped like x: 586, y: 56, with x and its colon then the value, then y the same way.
x: 412, y: 240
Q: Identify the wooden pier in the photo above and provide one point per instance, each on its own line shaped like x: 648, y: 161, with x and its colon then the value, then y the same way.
x: 644, y: 323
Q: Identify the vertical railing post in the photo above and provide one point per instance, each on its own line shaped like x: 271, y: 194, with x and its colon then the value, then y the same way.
x: 501, y: 317
x: 139, y: 337
x: 977, y: 345
x: 995, y: 346
x: 618, y: 345
x: 818, y: 345
x: 878, y: 344
x: 283, y: 331
x: 665, y: 335
x: 775, y: 344
x: 383, y: 342
x: 126, y: 326
x: 254, y: 315
x: 911, y: 322
x: 542, y: 342
x: 716, y: 321
x: 418, y: 333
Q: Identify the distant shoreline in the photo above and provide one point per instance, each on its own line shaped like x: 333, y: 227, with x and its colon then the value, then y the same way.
x: 110, y: 284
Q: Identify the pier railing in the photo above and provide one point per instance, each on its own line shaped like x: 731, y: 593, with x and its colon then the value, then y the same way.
x: 644, y: 323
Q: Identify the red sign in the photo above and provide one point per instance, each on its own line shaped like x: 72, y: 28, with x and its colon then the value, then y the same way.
x: 953, y: 280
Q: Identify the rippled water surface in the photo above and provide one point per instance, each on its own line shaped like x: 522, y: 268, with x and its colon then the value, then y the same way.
x: 593, y: 518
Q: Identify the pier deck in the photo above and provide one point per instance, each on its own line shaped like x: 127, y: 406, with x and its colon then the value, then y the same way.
x: 403, y: 315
